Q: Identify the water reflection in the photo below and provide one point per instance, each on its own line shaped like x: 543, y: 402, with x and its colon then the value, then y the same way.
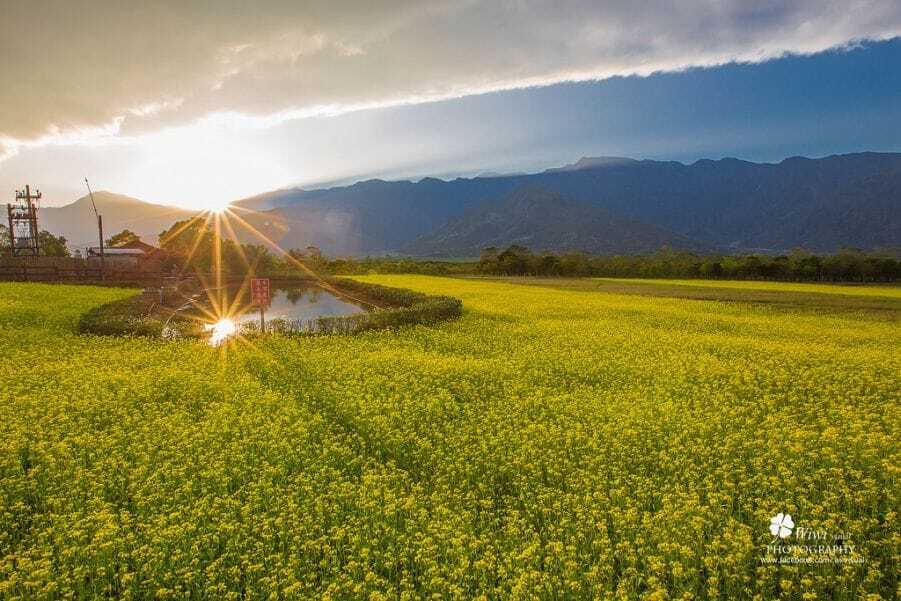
x: 221, y: 331
x: 299, y: 305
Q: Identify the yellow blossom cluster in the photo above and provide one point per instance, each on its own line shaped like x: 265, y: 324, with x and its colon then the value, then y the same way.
x: 551, y: 444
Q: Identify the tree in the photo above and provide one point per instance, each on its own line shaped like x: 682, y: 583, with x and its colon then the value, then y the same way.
x: 574, y: 264
x: 189, y: 242
x: 314, y: 258
x: 122, y: 238
x: 804, y: 265
x: 515, y: 260
x: 547, y: 264
x: 711, y: 269
x: 192, y: 243
x: 52, y: 246
x: 489, y: 254
x: 488, y: 260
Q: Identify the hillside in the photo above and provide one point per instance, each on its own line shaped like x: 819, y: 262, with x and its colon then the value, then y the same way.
x: 821, y: 204
x: 543, y: 220
x: 76, y: 221
x: 373, y: 216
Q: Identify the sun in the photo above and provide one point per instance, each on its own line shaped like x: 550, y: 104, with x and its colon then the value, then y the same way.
x: 202, y: 167
x: 217, y: 206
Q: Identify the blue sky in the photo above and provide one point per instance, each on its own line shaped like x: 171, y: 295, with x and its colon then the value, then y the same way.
x: 833, y: 102
x: 440, y: 92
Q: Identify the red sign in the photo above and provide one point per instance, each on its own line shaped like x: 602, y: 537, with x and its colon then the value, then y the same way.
x: 259, y: 291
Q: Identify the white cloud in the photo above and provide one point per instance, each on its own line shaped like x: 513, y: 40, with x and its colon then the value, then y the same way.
x: 127, y: 68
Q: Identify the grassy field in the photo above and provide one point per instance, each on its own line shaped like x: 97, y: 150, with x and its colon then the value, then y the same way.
x: 566, y: 439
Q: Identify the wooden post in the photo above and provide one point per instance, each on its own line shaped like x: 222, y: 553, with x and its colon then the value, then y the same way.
x: 262, y: 321
x: 102, y: 261
x: 100, y: 228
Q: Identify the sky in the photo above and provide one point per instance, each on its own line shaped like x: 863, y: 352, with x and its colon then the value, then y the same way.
x: 197, y: 104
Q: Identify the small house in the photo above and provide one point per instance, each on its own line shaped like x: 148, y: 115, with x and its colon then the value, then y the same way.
x: 131, y: 255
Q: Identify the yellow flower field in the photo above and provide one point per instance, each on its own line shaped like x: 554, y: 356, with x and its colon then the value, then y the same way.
x: 551, y: 444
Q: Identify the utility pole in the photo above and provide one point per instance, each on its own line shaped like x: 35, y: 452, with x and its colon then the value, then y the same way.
x: 12, y: 232
x: 100, y: 231
x: 23, y: 223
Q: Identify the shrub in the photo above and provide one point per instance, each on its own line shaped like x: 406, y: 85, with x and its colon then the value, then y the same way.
x: 144, y: 315
x: 138, y: 315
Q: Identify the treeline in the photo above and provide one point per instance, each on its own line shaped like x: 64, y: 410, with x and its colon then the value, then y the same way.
x: 351, y: 266
x: 50, y: 245
x: 191, y: 244
x: 797, y: 266
x: 848, y: 265
x: 800, y: 266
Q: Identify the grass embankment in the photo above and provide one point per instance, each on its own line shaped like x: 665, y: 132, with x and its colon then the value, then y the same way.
x: 142, y: 314
x: 551, y: 443
x: 138, y: 314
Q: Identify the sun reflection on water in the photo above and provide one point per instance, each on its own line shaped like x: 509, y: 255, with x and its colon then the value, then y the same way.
x: 221, y: 331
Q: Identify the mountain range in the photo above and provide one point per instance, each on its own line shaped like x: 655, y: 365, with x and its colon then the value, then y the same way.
x: 76, y: 221
x: 535, y: 217
x: 819, y: 204
x: 597, y: 204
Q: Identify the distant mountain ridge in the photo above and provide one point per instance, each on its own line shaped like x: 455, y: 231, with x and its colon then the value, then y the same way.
x: 540, y: 219
x: 592, y: 163
x: 820, y: 204
x: 76, y: 221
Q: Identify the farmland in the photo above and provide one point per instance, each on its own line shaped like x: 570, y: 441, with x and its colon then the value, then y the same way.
x: 563, y: 439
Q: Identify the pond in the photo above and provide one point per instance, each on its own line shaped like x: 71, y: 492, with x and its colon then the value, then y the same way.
x: 296, y: 303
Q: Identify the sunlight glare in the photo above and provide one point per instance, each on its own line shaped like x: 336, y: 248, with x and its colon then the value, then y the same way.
x: 217, y: 205
x: 222, y: 330
x: 202, y: 166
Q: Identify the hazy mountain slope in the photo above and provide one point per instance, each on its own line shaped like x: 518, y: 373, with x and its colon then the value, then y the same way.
x: 77, y: 223
x: 543, y: 220
x: 375, y: 216
x: 822, y: 204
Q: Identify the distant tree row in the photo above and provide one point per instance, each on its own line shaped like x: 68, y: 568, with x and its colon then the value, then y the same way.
x: 845, y: 266
x: 192, y: 244
x: 51, y: 246
x: 848, y: 265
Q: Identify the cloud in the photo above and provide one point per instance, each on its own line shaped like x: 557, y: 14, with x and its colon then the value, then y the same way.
x: 72, y: 68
